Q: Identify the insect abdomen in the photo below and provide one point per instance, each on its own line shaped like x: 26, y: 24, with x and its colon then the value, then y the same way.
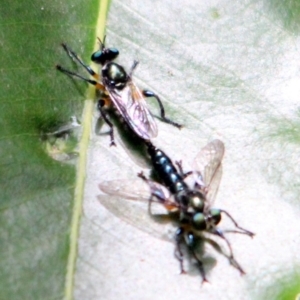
x: 166, y: 170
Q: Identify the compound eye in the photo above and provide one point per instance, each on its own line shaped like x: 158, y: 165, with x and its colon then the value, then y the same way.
x: 98, y: 57
x: 215, y: 215
x: 105, y: 55
x: 112, y: 53
x: 199, y: 221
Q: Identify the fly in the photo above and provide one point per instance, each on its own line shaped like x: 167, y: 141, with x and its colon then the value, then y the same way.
x: 195, y: 215
x: 118, y: 87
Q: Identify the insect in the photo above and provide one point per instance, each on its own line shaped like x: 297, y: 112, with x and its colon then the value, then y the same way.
x: 118, y: 87
x: 193, y: 206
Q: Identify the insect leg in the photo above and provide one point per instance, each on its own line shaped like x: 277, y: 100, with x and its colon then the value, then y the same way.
x: 199, y: 184
x: 243, y: 231
x: 231, y: 256
x: 101, y: 104
x: 98, y: 85
x: 148, y: 94
x: 133, y: 67
x: 143, y: 177
x: 190, y: 241
x: 183, y: 174
x: 159, y: 194
x: 177, y: 252
x: 75, y: 57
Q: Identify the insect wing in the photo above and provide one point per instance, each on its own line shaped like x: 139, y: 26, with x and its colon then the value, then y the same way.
x: 129, y: 189
x: 209, y: 164
x: 135, y: 214
x: 137, y: 190
x: 138, y: 110
x: 132, y: 106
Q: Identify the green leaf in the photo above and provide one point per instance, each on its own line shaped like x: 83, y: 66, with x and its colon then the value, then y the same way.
x: 224, y: 70
x: 37, y: 207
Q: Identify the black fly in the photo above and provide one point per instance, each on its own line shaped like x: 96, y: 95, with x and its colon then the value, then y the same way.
x: 192, y: 205
x: 117, y: 86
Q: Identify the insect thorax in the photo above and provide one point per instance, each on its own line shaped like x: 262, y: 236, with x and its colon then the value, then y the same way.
x: 114, y: 76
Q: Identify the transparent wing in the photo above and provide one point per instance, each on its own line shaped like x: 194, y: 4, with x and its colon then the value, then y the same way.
x: 208, y: 163
x: 136, y: 213
x: 129, y: 189
x: 132, y: 106
x: 137, y: 190
x: 138, y: 110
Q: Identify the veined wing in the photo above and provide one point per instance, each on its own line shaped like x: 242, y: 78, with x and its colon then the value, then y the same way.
x: 135, y: 213
x: 138, y: 110
x: 132, y: 106
x: 141, y: 191
x: 134, y: 189
x: 209, y: 164
x: 129, y: 189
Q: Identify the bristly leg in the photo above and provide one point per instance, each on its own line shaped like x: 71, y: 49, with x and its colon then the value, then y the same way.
x: 95, y: 83
x: 104, y: 115
x: 243, y: 230
x: 149, y: 94
x: 181, y: 172
x: 76, y: 58
x: 231, y: 258
x: 144, y: 178
x: 177, y: 252
x: 133, y: 67
x: 191, y: 243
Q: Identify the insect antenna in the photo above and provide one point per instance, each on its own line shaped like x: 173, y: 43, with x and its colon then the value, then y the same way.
x: 102, y: 44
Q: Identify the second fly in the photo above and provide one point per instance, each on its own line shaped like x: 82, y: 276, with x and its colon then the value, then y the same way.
x: 128, y: 99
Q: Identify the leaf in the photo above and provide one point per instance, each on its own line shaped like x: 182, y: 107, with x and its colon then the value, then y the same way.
x: 224, y: 70
x: 37, y: 192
